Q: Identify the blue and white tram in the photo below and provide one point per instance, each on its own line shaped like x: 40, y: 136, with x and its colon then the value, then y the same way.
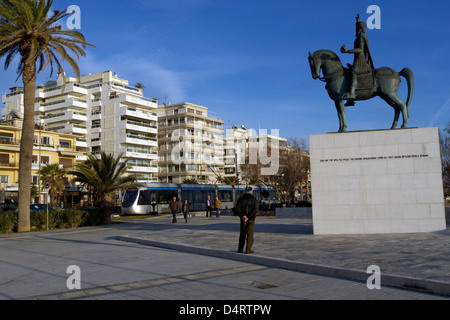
x: 196, y: 195
x: 155, y: 197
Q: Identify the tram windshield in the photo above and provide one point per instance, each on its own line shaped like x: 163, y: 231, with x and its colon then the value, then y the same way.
x: 130, y: 197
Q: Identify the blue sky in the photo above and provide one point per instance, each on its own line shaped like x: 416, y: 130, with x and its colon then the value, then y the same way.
x: 246, y: 60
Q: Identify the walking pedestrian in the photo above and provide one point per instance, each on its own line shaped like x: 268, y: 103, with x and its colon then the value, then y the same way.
x: 174, y: 207
x: 246, y: 208
x: 186, y: 209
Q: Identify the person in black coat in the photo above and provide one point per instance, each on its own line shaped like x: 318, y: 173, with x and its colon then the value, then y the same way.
x: 246, y: 208
x: 208, y: 206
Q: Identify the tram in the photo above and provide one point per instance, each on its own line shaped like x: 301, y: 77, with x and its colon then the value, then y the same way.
x: 155, y: 197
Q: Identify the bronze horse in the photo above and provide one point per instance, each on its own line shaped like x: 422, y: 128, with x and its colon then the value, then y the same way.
x: 382, y: 82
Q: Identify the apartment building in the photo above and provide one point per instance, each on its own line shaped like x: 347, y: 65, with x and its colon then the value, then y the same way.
x: 103, y: 111
x: 190, y: 140
x: 49, y: 147
x: 237, y: 149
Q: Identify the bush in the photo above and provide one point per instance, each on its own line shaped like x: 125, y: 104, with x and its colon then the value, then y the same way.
x: 303, y: 204
x: 8, y: 222
x: 57, y: 219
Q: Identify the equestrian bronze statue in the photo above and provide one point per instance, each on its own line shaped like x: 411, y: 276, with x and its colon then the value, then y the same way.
x: 360, y: 81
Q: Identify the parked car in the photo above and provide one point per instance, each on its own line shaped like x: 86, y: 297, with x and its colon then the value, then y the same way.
x: 4, y: 207
x: 38, y: 207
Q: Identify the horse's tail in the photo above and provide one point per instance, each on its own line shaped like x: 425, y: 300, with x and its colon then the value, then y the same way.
x: 408, y: 75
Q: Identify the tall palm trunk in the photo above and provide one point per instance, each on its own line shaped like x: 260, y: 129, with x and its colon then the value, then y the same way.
x: 26, y: 148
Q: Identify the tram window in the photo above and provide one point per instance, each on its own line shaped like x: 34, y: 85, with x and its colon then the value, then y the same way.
x: 199, y: 196
x: 188, y: 195
x: 225, y: 195
x: 129, y: 197
x: 165, y: 196
x: 265, y: 195
x: 144, y: 197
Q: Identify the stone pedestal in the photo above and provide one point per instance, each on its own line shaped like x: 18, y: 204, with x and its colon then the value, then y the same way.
x: 383, y: 181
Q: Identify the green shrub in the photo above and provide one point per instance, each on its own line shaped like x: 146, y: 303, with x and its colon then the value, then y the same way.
x: 8, y: 222
x: 94, y: 217
x: 303, y: 204
x: 57, y: 219
x: 74, y: 218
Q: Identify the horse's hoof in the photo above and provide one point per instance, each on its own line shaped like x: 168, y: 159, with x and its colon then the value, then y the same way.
x: 404, y: 126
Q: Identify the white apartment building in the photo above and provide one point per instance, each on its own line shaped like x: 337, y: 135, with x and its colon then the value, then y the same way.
x: 237, y: 148
x: 104, y: 111
x: 190, y: 142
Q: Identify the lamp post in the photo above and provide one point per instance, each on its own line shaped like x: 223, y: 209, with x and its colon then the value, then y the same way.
x: 39, y: 160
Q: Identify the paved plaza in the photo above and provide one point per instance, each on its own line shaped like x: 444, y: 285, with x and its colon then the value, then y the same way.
x: 155, y: 259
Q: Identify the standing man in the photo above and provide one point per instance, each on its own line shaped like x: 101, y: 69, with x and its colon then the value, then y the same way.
x: 217, y: 205
x: 174, y: 207
x: 247, y: 208
x: 208, y: 206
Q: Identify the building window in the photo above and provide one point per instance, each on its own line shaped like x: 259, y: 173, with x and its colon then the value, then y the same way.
x: 4, y: 158
x: 65, y: 144
x: 6, y: 137
x: 45, y: 140
x: 35, y: 180
x: 45, y: 160
x: 4, y: 179
x: 66, y: 163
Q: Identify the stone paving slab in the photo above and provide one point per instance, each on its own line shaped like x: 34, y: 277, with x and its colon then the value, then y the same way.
x: 411, y: 260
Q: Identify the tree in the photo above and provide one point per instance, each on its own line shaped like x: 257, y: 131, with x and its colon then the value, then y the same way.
x: 30, y: 29
x: 105, y: 175
x: 190, y: 180
x: 140, y: 85
x: 230, y: 180
x: 445, y: 158
x: 292, y: 173
x: 54, y: 176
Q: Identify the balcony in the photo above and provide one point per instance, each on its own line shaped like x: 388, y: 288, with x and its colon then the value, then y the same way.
x: 73, y: 129
x: 72, y: 88
x: 142, y: 168
x: 131, y: 100
x: 138, y: 126
x: 8, y: 165
x: 139, y: 113
x: 69, y: 103
x: 139, y: 140
x: 72, y: 116
x: 150, y: 155
x: 81, y: 144
x: 8, y: 143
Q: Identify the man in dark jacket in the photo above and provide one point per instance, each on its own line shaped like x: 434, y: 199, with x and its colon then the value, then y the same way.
x: 174, y: 207
x: 247, y: 208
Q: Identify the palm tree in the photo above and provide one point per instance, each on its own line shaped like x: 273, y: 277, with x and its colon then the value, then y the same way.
x: 54, y: 175
x: 105, y: 175
x: 30, y: 29
x: 139, y: 85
